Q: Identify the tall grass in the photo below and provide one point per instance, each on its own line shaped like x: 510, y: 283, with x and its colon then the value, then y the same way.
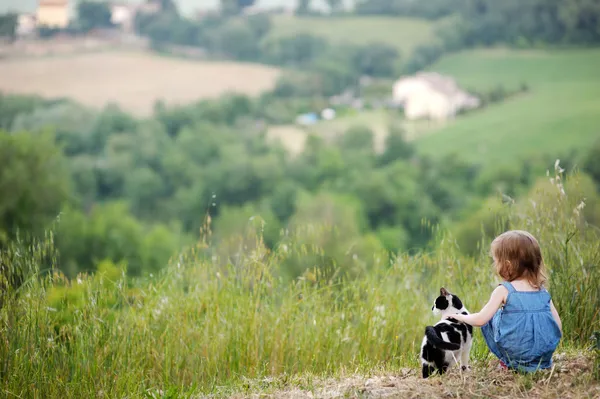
x: 204, y: 323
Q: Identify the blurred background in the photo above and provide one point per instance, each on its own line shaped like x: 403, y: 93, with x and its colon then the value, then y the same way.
x: 127, y: 126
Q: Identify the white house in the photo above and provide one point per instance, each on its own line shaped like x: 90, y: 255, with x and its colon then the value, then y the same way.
x: 123, y: 15
x: 26, y: 24
x: 429, y: 95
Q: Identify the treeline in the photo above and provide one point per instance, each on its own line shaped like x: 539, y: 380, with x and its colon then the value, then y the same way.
x: 124, y: 189
x: 430, y: 9
x: 327, y: 69
x: 516, y: 23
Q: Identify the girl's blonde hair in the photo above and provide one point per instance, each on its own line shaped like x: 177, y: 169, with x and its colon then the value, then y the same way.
x: 517, y: 254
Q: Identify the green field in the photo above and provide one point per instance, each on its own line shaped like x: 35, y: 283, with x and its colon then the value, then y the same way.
x: 561, y: 112
x: 403, y: 33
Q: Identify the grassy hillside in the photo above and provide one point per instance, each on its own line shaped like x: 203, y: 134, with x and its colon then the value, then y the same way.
x: 403, y: 33
x: 207, y: 326
x: 561, y: 111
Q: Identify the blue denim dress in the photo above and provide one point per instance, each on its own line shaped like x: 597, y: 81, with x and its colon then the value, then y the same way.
x: 523, y: 333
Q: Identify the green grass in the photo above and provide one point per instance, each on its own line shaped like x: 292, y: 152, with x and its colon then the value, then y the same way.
x: 561, y: 112
x: 378, y: 121
x: 402, y: 33
x: 220, y: 325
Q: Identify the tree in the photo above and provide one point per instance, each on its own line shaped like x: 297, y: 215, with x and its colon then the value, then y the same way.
x: 91, y: 15
x: 237, y: 40
x: 34, y: 183
x: 234, y: 7
x: 160, y: 27
x: 110, y: 232
x: 167, y: 6
x: 396, y: 147
x: 591, y: 162
x: 581, y: 19
x: 260, y: 25
x: 11, y: 106
x: 335, y: 5
x: 303, y: 7
x: 357, y: 139
x: 8, y: 26
x: 299, y: 50
x: 376, y: 59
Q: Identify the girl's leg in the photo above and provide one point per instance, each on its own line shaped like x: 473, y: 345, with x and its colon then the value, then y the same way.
x: 488, y: 335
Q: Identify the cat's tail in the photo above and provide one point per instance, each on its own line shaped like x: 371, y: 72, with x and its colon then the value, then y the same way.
x: 438, y: 342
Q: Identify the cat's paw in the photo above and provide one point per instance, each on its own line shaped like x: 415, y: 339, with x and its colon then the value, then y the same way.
x: 466, y: 368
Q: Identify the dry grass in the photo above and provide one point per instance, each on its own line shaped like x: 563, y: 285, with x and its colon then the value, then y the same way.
x: 293, y: 138
x: 569, y: 378
x: 132, y: 80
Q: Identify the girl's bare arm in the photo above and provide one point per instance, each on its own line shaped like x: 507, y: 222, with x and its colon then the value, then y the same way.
x: 555, y: 315
x: 479, y: 319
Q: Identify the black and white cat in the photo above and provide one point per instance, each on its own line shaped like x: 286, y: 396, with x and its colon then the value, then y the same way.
x: 449, y: 341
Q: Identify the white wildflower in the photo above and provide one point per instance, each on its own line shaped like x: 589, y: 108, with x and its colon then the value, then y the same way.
x: 533, y: 203
x: 579, y: 208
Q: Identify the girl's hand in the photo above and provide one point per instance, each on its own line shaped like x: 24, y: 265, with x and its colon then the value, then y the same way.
x: 457, y: 316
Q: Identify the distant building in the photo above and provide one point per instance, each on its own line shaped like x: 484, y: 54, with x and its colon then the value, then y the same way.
x: 26, y: 24
x: 123, y: 15
x: 429, y: 95
x: 53, y: 13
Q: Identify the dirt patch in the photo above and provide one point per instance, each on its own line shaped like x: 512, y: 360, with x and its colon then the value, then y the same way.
x: 291, y: 137
x: 570, y: 377
x: 134, y: 80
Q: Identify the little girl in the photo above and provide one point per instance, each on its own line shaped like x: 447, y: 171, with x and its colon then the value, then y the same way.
x: 519, y: 323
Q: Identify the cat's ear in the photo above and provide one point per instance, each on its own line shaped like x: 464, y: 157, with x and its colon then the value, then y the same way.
x: 444, y: 292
